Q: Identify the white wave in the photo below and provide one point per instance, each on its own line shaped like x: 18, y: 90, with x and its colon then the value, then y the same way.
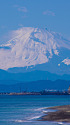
x: 45, y: 111
x: 28, y: 119
x: 35, y: 117
x: 39, y: 109
x: 21, y: 121
x: 60, y: 123
x: 38, y: 113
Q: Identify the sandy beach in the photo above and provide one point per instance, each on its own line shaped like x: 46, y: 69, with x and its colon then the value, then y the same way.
x: 61, y: 114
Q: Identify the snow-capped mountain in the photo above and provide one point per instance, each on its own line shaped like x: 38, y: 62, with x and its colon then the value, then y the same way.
x: 35, y: 47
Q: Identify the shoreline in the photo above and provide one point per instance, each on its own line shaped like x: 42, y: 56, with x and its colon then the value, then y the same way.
x: 35, y: 93
x: 61, y: 114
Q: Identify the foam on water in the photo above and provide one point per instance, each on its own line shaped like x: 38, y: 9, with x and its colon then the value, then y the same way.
x: 39, y: 112
x: 35, y: 117
x: 60, y: 123
x: 20, y: 121
x: 39, y: 109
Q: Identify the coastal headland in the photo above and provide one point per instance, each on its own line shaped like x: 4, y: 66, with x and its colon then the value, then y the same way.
x: 60, y: 114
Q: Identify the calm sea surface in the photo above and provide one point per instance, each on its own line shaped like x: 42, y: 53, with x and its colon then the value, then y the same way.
x: 25, y: 110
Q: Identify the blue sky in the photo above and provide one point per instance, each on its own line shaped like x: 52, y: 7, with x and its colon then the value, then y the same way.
x: 51, y: 14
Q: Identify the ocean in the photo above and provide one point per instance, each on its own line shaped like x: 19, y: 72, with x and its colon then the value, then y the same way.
x: 26, y: 110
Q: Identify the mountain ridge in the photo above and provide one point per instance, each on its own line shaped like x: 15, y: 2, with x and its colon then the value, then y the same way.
x: 39, y: 85
x: 32, y: 76
x: 34, y: 47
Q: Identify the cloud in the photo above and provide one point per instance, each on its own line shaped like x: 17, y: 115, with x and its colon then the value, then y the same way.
x: 22, y: 9
x: 47, y: 12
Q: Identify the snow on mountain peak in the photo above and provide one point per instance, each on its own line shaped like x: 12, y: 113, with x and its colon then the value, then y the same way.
x: 30, y: 46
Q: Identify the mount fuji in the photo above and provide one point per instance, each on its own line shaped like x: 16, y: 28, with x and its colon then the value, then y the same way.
x: 31, y: 49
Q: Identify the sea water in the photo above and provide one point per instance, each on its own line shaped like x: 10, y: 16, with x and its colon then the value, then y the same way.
x: 27, y: 109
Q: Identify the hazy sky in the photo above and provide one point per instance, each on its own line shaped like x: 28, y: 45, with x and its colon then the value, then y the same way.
x: 51, y: 14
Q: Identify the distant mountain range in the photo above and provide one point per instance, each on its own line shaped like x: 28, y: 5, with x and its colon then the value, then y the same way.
x: 32, y: 81
x: 34, y: 86
x: 30, y: 76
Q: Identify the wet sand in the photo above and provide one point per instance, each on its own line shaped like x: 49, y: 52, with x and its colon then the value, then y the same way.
x: 61, y: 114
